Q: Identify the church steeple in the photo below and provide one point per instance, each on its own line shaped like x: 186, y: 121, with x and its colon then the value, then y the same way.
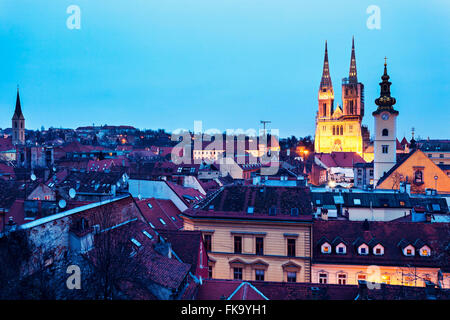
x: 385, y: 102
x: 18, y: 123
x: 325, y: 83
x: 352, y: 76
x: 18, y: 115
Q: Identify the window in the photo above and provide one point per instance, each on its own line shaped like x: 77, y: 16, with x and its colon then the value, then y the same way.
x: 324, y: 109
x: 371, y: 172
x: 237, y: 244
x: 162, y: 221
x: 273, y: 211
x: 259, y: 246
x: 359, y: 172
x: 363, y: 249
x: 385, y: 278
x: 292, y: 276
x: 418, y: 177
x: 237, y: 273
x: 148, y: 235
x: 207, y: 238
x: 357, y: 202
x: 149, y: 205
x: 342, y: 130
x: 259, y: 274
x: 326, y: 248
x: 250, y: 210
x: 385, y: 148
x: 291, y: 247
x: 294, y: 211
x: 378, y: 250
x: 361, y: 276
x: 441, y: 155
x: 323, y: 278
x: 342, y: 278
x: 334, y: 130
x: 430, y: 155
x: 210, y: 271
x: 425, y: 251
x: 341, y: 249
x: 385, y: 132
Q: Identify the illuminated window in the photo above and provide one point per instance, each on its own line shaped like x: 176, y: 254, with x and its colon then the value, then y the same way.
x: 361, y: 276
x: 386, y: 279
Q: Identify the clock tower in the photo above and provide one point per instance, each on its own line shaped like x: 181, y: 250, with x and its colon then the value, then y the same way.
x: 385, y: 129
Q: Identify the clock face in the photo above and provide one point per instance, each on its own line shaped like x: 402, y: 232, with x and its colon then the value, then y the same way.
x: 385, y: 116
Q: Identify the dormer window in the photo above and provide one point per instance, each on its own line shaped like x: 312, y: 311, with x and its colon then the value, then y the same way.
x: 425, y: 251
x: 378, y: 250
x: 326, y: 248
x: 363, y: 249
x: 341, y: 248
x: 409, y: 251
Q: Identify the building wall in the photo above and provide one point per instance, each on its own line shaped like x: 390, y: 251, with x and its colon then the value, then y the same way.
x: 377, y: 274
x: 275, y: 247
x: 377, y: 214
x: 155, y: 189
x: 350, y: 140
x: 438, y: 157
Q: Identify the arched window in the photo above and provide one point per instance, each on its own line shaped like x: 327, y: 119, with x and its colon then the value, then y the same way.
x: 334, y: 130
x: 324, y: 110
x: 342, y: 130
x: 385, y: 132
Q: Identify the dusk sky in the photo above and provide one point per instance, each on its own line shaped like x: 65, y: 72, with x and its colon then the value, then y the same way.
x: 230, y: 63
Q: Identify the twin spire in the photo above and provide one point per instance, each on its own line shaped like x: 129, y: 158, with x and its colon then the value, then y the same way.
x: 352, y: 76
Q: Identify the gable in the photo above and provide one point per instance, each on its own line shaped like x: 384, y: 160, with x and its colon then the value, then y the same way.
x: 418, y: 161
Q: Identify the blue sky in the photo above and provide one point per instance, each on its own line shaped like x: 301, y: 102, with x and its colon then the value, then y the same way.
x: 230, y: 63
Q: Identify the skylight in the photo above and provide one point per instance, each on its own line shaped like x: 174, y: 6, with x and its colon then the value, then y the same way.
x: 137, y: 243
x: 149, y: 205
x: 147, y: 234
x: 162, y: 221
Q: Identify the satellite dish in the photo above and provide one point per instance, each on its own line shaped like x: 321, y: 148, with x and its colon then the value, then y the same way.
x: 33, y: 177
x: 72, y: 193
x: 62, y: 203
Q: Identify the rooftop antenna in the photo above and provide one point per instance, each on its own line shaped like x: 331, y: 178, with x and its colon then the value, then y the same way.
x: 264, y: 122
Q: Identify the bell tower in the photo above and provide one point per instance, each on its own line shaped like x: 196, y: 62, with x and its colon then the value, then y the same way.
x: 385, y: 129
x: 352, y: 90
x: 326, y: 94
x: 18, y: 123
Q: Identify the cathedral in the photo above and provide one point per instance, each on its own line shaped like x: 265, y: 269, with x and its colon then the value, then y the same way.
x: 339, y: 129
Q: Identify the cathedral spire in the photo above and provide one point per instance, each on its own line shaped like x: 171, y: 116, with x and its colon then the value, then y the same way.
x: 326, y: 79
x: 18, y: 111
x: 353, y: 74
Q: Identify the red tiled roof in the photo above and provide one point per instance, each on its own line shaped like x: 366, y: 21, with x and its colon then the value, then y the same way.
x: 6, y: 144
x: 257, y: 202
x: 188, y: 195
x: 161, y: 209
x: 186, y: 245
x: 340, y: 159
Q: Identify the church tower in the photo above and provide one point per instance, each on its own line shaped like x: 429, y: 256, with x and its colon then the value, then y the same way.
x: 18, y: 123
x: 326, y: 94
x: 352, y: 91
x: 385, y: 129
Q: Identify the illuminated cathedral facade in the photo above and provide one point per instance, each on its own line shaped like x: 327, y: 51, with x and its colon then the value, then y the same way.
x: 339, y: 128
